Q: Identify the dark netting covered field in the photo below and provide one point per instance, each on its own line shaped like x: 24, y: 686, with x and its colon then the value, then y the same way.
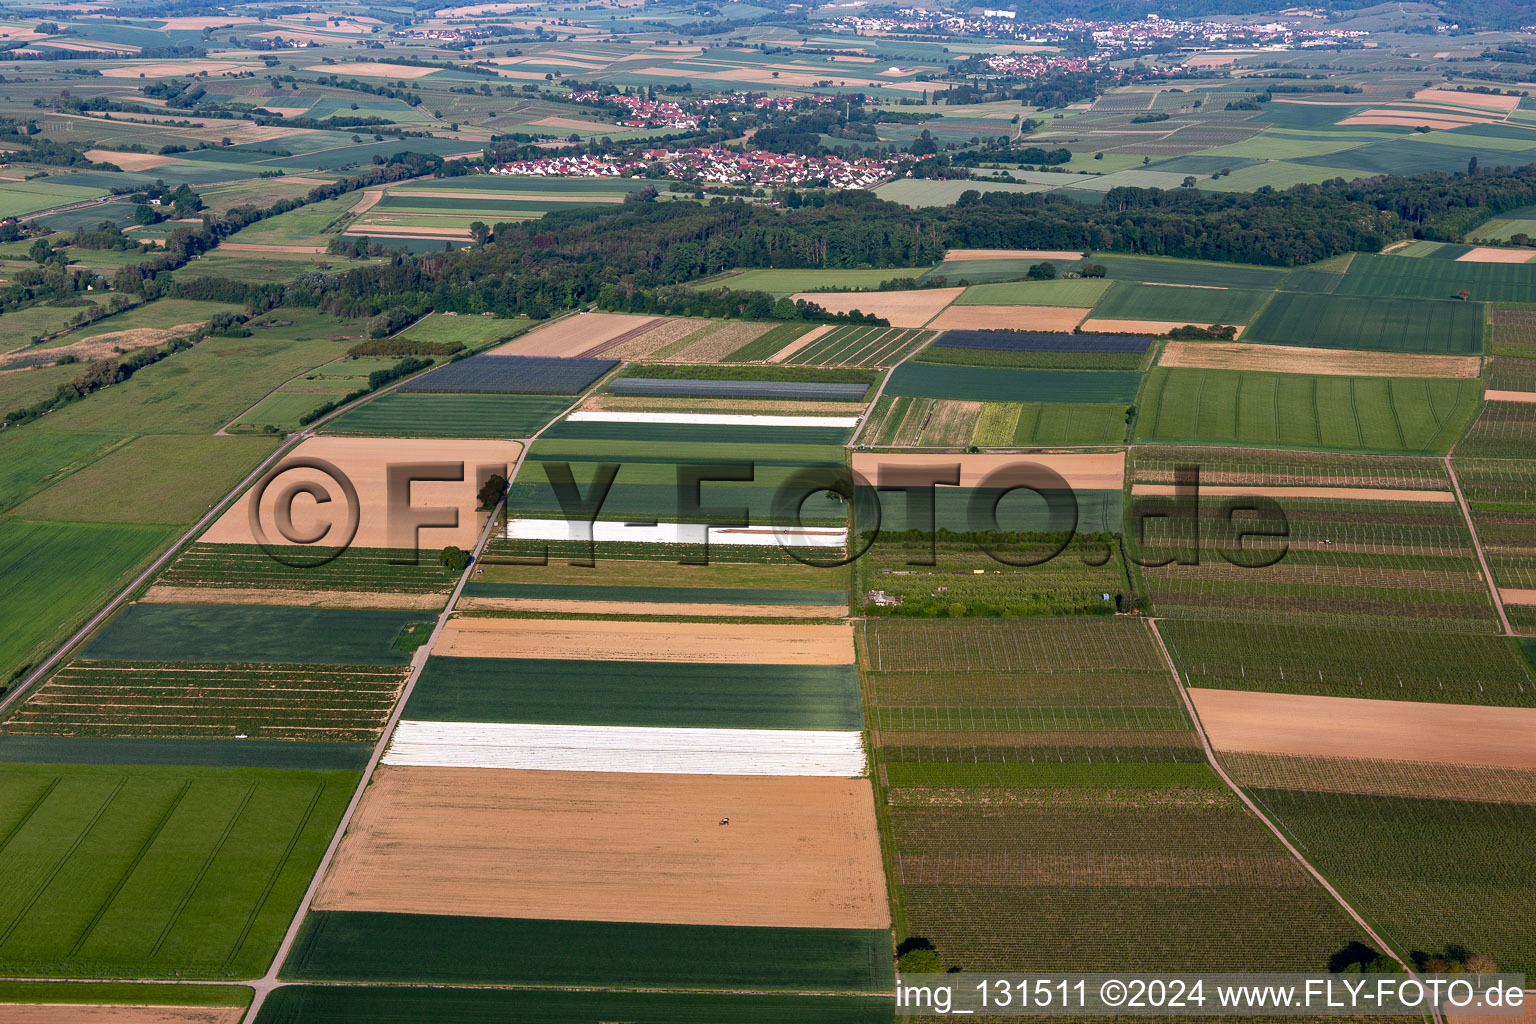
x: 541, y: 375
x: 1043, y: 341
x: 782, y: 389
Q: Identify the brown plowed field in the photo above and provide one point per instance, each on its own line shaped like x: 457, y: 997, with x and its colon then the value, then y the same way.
x: 902, y: 309
x: 1008, y: 318
x: 576, y: 334
x: 365, y: 462
x: 66, y: 1013
x: 1387, y: 730
x: 162, y: 594
x: 1225, y: 355
x: 601, y: 846
x: 652, y: 610
x: 604, y: 640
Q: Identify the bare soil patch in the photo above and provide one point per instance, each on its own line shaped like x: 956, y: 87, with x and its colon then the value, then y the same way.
x: 1102, y: 326
x: 1468, y: 99
x: 1008, y: 318
x: 366, y: 228
x: 1510, y: 396
x: 162, y: 594
x: 1222, y: 355
x: 369, y: 200
x: 104, y: 346
x: 131, y: 161
x: 67, y: 1013
x: 601, y: 639
x: 365, y: 462
x: 562, y: 607
x: 1083, y: 472
x: 902, y: 309
x: 1388, y: 730
x: 576, y: 335
x: 1492, y: 254
x: 1405, y: 120
x: 373, y: 69
x: 1517, y: 596
x: 1011, y: 254
x: 799, y: 343
x: 599, y: 846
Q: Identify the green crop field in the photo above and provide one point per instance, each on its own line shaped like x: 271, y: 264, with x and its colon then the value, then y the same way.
x: 1081, y: 293
x: 1340, y: 661
x: 952, y: 355
x: 638, y: 693
x: 788, y: 282
x: 341, y: 703
x: 767, y: 344
x: 32, y: 461
x: 1377, y: 323
x: 445, y: 950
x: 429, y: 415
x: 269, y: 635
x: 1004, y: 385
x: 119, y: 871
x: 1407, y: 278
x: 56, y: 574
x: 1039, y: 769
x: 861, y: 346
x: 314, y: 1004
x: 247, y: 566
x: 19, y: 198
x: 152, y: 479
x: 122, y: 994
x: 1381, y: 853
x: 1295, y: 411
x: 1505, y: 430
x: 200, y: 390
x: 469, y: 331
x: 1194, y: 305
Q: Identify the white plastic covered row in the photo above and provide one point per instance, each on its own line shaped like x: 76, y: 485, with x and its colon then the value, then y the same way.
x: 676, y: 533
x: 588, y: 748
x: 714, y: 419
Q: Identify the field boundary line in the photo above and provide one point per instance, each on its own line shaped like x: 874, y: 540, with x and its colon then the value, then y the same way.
x: 1210, y: 756
x: 1477, y: 548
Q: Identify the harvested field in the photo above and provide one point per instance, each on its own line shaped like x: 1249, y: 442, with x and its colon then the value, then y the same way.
x: 645, y: 750
x: 1218, y: 355
x: 578, y: 335
x: 372, y: 228
x: 1140, y: 326
x: 720, y: 342
x: 586, y: 846
x: 1305, y: 725
x: 1457, y: 98
x: 649, y: 340
x: 1082, y: 472
x: 162, y: 594
x: 185, y: 67
x: 1009, y: 318
x: 624, y: 641
x: 902, y: 309
x: 799, y: 343
x: 566, y: 607
x: 1386, y: 118
x: 373, y: 69
x: 66, y: 1013
x: 1488, y: 254
x: 106, y: 346
x: 1329, y: 493
x: 130, y: 161
x: 1510, y: 396
x: 1011, y: 254
x: 365, y: 462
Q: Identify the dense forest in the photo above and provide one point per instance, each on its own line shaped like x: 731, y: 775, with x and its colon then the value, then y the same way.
x: 574, y: 257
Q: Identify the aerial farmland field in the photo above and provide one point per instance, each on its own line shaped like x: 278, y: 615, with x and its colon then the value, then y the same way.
x: 667, y: 512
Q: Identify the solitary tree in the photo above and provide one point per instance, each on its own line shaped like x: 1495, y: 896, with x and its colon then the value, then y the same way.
x: 454, y: 558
